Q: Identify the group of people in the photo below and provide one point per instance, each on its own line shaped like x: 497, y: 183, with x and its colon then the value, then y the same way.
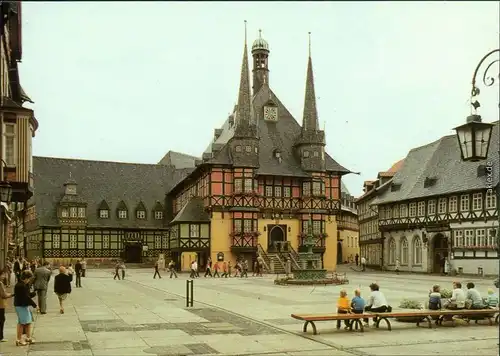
x: 30, y: 283
x: 171, y: 269
x: 225, y: 269
x: 377, y: 303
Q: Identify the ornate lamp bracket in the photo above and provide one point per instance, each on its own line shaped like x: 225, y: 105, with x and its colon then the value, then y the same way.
x: 487, y: 79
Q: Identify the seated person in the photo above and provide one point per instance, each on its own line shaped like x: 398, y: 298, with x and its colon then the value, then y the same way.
x: 358, y: 304
x: 457, y: 300
x: 474, y: 296
x: 343, y: 307
x: 435, y: 298
x: 377, y: 302
x: 492, y: 300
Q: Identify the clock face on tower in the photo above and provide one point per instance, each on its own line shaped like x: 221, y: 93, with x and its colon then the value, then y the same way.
x: 270, y: 113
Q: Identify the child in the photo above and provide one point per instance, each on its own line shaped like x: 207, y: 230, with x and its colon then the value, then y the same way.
x: 435, y: 298
x: 358, y: 303
x: 492, y: 299
x: 343, y: 308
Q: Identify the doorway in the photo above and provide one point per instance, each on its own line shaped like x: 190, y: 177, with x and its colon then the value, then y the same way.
x: 276, y: 235
x: 133, y: 252
x: 339, y: 253
x: 439, y: 253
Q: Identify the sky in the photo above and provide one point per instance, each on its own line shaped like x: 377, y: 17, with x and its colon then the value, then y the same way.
x: 124, y: 81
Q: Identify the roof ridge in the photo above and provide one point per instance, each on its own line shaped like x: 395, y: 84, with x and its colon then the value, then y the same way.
x: 101, y: 161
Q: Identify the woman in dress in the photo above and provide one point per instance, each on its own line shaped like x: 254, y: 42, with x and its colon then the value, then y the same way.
x: 22, y: 303
x: 62, y: 286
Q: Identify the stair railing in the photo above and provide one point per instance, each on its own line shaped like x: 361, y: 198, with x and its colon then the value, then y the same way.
x: 265, y: 257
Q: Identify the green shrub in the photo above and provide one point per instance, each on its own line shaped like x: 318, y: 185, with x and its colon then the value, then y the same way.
x: 446, y: 293
x: 410, y: 304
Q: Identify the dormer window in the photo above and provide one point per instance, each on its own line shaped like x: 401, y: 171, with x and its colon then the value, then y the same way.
x: 122, y: 214
x: 81, y: 212
x: 64, y: 212
x: 429, y: 181
x: 315, y: 154
x: 158, y: 215
x: 305, y: 153
x: 104, y: 214
x: 122, y: 210
x: 248, y: 149
x: 73, y: 212
x: 237, y: 148
x: 140, y: 214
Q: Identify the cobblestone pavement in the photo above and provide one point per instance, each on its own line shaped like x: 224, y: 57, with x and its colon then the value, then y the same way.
x: 143, y: 316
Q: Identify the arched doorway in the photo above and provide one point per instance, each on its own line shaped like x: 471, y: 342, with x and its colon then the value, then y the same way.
x: 439, y: 252
x: 276, y: 235
x: 339, y: 253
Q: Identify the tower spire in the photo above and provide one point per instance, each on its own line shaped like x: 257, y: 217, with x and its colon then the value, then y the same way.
x: 310, y: 118
x: 243, y: 113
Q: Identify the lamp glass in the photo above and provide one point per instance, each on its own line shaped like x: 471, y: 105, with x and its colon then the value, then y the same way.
x: 5, y: 192
x: 474, y: 139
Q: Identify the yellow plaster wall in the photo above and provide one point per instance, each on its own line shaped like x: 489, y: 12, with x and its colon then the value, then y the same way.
x: 220, y: 241
x: 291, y: 224
x: 349, y: 249
x: 330, y: 256
x: 186, y: 259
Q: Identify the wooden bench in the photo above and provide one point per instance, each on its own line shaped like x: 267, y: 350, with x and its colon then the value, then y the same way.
x: 421, y: 315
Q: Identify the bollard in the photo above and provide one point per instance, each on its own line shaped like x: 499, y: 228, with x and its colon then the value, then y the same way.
x: 189, y: 293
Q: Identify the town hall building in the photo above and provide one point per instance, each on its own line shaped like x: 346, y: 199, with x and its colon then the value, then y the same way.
x: 259, y: 184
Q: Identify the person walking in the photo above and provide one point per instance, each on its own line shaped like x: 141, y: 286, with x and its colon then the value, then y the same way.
x: 3, y: 302
x: 194, y: 269
x: 356, y: 259
x: 171, y: 267
x: 22, y: 303
x: 62, y: 286
x: 117, y: 270
x: 363, y: 263
x: 224, y: 270
x: 244, y: 269
x: 84, y: 268
x: 397, y: 265
x: 42, y: 278
x: 8, y: 273
x: 78, y: 273
x: 157, y: 272
x: 216, y: 270
x: 208, y: 271
x: 122, y: 267
x: 17, y: 269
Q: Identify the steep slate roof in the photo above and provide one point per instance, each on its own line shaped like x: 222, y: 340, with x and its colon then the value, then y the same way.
x: 440, y: 159
x: 273, y: 135
x: 112, y: 182
x: 193, y: 210
x: 178, y: 160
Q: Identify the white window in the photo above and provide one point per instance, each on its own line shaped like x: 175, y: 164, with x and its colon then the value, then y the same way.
x: 403, y: 211
x: 141, y: 214
x: 158, y: 242
x: 477, y: 201
x: 104, y: 213
x: 431, y: 207
x: 194, y: 230
x: 442, y: 206
x: 90, y: 241
x: 392, y: 252
x: 30, y: 149
x: 238, y: 185
x: 269, y: 191
x: 248, y: 185
x: 404, y: 251
x: 421, y: 208
x: 306, y: 189
x: 10, y: 144
x: 317, y: 188
x: 247, y: 225
x: 56, y: 241
x: 73, y: 211
x: 491, y: 199
x: 453, y: 205
x: 316, y: 226
x: 492, y: 237
x: 159, y: 215
x: 480, y: 237
x: 64, y: 212
x: 417, y: 251
x: 287, y: 192
x: 469, y: 238
x: 237, y: 225
x: 395, y: 212
x: 122, y: 214
x: 73, y: 241
x: 105, y: 241
x: 81, y: 212
x: 388, y: 212
x: 277, y: 191
x: 464, y: 203
x: 413, y: 209
x: 458, y: 238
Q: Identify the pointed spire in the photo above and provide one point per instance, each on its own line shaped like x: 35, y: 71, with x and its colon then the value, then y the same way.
x: 310, y: 118
x: 243, y: 114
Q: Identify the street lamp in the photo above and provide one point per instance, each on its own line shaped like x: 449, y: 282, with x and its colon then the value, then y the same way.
x: 474, y: 136
x: 5, y: 192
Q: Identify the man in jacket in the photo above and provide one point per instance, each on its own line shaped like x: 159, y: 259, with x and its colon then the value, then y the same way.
x: 42, y: 278
x: 17, y: 268
x: 79, y: 273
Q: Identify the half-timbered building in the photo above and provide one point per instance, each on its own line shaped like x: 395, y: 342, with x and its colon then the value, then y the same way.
x: 348, y: 228
x: 371, y: 243
x: 439, y: 208
x: 100, y: 210
x: 260, y: 179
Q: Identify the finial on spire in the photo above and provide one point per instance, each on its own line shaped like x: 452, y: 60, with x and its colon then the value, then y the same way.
x: 245, y: 32
x: 260, y: 33
x: 70, y: 175
x: 309, y: 44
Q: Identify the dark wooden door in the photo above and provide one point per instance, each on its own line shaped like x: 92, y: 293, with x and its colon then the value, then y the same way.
x: 133, y: 253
